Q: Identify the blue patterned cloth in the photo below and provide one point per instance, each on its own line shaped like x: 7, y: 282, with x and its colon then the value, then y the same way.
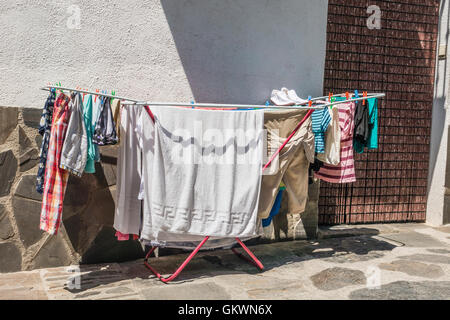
x: 320, y: 120
x: 45, y: 127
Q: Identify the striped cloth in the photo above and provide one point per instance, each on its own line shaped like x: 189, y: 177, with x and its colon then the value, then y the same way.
x: 345, y: 171
x: 55, y: 177
x: 320, y: 120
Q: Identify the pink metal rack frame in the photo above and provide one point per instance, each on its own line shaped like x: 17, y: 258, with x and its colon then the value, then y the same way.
x: 253, y: 259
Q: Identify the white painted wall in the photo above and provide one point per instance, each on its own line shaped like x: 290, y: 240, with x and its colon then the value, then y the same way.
x: 439, y: 129
x: 229, y: 51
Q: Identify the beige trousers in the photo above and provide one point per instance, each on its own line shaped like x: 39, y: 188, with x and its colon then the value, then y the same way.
x: 291, y: 165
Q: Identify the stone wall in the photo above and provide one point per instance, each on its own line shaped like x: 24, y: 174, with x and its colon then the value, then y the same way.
x: 86, y: 234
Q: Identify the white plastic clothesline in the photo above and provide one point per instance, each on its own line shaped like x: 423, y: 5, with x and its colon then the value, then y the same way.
x: 217, y: 105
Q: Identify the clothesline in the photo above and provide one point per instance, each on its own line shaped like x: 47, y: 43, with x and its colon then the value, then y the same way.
x: 216, y: 105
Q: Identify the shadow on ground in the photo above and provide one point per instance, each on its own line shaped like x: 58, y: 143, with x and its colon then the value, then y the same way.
x: 208, y: 264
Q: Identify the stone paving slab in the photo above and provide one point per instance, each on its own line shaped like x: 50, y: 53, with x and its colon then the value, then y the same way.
x: 407, y: 262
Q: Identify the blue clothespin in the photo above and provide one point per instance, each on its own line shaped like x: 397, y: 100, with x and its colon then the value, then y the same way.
x: 192, y: 102
x: 267, y: 103
x: 356, y: 94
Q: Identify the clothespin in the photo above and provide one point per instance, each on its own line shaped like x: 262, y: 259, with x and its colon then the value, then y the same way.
x: 356, y: 94
x: 364, y: 95
x: 192, y: 102
x: 347, y: 96
x: 97, y: 91
x: 310, y: 101
x: 331, y: 99
x: 113, y: 93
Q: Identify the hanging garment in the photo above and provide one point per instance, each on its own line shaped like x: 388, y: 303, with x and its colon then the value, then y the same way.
x: 74, y: 150
x: 361, y: 131
x: 320, y: 120
x: 45, y: 126
x: 55, y: 177
x: 332, y: 140
x: 292, y: 163
x: 345, y: 171
x: 372, y: 141
x: 91, y: 150
x: 206, y: 172
x: 97, y: 104
x: 145, y: 130
x: 105, y: 131
x: 127, y: 217
x: 275, y: 209
x: 116, y: 107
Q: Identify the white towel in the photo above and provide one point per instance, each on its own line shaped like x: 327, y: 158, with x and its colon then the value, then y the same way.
x: 206, y: 172
x: 127, y: 218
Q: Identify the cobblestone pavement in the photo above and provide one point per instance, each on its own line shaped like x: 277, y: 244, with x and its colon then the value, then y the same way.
x: 394, y: 261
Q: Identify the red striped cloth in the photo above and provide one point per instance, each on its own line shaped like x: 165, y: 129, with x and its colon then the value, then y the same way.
x: 55, y: 178
x: 345, y: 171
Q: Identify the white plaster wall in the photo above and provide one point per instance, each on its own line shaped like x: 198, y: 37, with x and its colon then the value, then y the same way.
x: 439, y: 128
x: 229, y: 51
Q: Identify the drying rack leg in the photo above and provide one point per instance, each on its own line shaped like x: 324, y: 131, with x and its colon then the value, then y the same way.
x: 183, y: 265
x: 253, y: 259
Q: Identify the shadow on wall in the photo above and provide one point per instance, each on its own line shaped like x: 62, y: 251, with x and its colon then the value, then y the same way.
x: 238, y: 51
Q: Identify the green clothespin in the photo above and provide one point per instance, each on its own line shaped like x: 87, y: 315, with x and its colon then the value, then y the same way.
x: 113, y: 93
x: 333, y: 99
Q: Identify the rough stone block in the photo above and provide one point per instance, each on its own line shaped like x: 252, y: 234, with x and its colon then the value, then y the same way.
x: 31, y: 117
x: 6, y: 229
x: 29, y: 155
x: 27, y: 214
x: 53, y: 254
x: 29, y: 160
x: 8, y: 169
x: 13, y: 262
x: 8, y: 122
x: 27, y: 188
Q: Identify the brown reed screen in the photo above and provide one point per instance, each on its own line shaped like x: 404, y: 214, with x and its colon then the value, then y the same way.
x: 398, y: 59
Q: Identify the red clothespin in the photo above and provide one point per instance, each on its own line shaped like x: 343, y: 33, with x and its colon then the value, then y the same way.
x: 364, y: 95
x: 97, y: 91
x: 347, y: 96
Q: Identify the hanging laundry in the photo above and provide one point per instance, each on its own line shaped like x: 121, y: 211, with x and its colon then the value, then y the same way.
x: 74, y: 150
x: 45, y: 126
x: 127, y: 217
x: 206, y: 176
x: 105, y: 131
x: 292, y: 163
x: 55, y: 178
x: 332, y: 140
x: 320, y: 120
x: 372, y: 140
x: 88, y: 122
x: 116, y: 109
x: 361, y: 132
x: 275, y: 209
x: 97, y: 104
x: 345, y: 170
